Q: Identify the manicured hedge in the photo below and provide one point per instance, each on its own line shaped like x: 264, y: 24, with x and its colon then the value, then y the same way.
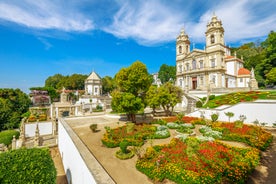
x: 7, y: 135
x: 29, y: 166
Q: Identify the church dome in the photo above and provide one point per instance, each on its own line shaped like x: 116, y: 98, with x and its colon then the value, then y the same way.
x: 243, y: 71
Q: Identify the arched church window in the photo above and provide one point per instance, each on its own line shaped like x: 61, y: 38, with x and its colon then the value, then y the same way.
x: 212, y: 39
x: 187, y: 48
x: 180, y: 49
x: 194, y: 64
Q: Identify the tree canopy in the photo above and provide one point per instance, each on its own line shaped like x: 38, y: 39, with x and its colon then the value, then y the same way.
x: 132, y: 83
x: 71, y: 82
x: 13, y: 103
x: 108, y: 84
x: 261, y: 56
x: 166, y: 96
x: 167, y: 73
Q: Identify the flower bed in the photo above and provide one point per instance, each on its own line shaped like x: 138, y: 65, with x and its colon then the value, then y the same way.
x: 254, y: 136
x: 135, y: 137
x: 193, y: 161
x: 234, y: 98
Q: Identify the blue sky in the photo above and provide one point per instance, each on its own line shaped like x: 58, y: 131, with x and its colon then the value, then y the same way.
x: 44, y: 37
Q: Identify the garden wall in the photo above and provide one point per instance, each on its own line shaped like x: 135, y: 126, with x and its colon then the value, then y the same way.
x: 79, y: 164
x: 45, y: 128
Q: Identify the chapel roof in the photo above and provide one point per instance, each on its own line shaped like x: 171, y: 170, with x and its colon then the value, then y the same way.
x: 243, y: 71
x: 93, y: 76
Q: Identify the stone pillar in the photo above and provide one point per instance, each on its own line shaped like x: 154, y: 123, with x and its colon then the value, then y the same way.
x: 36, y: 139
x: 57, y: 113
x: 90, y: 110
x: 51, y: 111
x: 76, y: 110
x: 13, y: 143
x: 22, y: 133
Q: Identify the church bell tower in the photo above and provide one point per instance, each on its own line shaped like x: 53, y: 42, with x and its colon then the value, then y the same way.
x: 214, y: 33
x: 182, y: 44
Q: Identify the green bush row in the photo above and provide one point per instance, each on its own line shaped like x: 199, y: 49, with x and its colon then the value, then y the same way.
x: 32, y: 166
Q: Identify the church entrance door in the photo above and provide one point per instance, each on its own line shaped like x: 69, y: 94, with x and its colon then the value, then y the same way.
x: 194, y: 80
x: 226, y: 82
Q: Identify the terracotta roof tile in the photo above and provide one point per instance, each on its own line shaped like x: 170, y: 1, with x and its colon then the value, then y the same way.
x: 243, y: 71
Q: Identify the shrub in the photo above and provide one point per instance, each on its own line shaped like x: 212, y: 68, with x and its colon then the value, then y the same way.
x: 7, y: 136
x: 211, y: 97
x: 27, y: 166
x: 99, y: 108
x: 123, y: 146
x: 94, y: 127
x: 199, y: 104
x: 215, y: 117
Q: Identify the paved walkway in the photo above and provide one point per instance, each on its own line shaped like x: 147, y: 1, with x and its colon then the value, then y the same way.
x: 262, y: 110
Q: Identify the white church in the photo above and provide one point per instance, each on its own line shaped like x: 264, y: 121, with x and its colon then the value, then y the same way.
x: 211, y: 68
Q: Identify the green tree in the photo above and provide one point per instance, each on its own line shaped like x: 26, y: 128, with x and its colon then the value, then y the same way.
x: 229, y: 115
x: 108, y: 84
x: 132, y: 84
x: 13, y: 103
x: 271, y: 76
x: 152, y: 98
x: 167, y: 73
x: 166, y: 96
x: 72, y: 82
x: 53, y: 81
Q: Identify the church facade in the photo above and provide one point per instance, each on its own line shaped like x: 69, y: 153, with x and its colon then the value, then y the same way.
x: 211, y: 68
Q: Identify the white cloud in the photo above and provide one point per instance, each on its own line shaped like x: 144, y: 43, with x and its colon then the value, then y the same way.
x: 44, y: 15
x: 148, y: 22
x: 153, y: 22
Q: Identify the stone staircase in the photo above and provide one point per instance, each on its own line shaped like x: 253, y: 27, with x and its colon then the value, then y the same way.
x: 191, y: 103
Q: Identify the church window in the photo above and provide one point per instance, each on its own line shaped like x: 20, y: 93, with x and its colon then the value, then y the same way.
x: 180, y: 68
x: 180, y: 49
x: 180, y: 82
x: 213, y: 63
x: 96, y: 90
x: 241, y: 79
x: 194, y: 64
x: 201, y: 80
x: 187, y: 48
x: 187, y: 67
x: 214, y: 79
x: 201, y: 64
x: 212, y: 39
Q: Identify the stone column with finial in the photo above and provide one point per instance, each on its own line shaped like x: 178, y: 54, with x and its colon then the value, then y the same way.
x: 22, y: 133
x: 36, y: 138
x: 13, y: 143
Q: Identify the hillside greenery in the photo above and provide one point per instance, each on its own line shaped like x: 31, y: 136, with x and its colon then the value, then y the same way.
x: 13, y: 103
x: 262, y: 57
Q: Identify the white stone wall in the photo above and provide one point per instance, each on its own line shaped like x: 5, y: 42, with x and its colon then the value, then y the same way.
x: 243, y: 82
x: 74, y: 165
x: 80, y: 166
x: 230, y: 66
x: 231, y: 82
x: 45, y: 128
